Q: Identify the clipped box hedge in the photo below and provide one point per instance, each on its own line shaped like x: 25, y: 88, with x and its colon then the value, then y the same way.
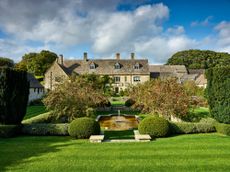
x: 190, y: 128
x: 45, y: 129
x: 9, y: 130
x: 223, y: 128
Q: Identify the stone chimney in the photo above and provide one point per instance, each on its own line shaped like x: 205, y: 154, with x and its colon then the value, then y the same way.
x: 117, y: 56
x: 61, y: 59
x: 85, y: 56
x: 132, y: 56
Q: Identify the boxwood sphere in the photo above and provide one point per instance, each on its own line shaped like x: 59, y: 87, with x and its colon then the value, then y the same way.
x: 83, y: 128
x: 154, y: 126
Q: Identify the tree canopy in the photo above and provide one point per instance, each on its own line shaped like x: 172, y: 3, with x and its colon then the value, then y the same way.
x: 164, y: 97
x: 73, y: 97
x: 6, y: 62
x: 37, y: 63
x: 199, y: 59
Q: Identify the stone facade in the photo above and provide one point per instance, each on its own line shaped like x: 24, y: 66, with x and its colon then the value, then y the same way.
x: 125, y: 72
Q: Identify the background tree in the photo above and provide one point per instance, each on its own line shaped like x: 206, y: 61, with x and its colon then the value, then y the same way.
x: 218, y: 92
x: 71, y: 99
x: 164, y: 97
x: 199, y: 59
x: 37, y: 63
x: 6, y: 62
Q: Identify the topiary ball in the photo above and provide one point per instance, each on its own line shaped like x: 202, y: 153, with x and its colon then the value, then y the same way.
x: 83, y: 128
x: 154, y: 126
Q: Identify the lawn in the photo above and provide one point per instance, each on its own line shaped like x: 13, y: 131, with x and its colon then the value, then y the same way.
x: 198, y: 152
x: 32, y: 111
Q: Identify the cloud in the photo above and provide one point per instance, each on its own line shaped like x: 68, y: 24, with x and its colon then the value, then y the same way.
x: 62, y: 25
x: 205, y: 22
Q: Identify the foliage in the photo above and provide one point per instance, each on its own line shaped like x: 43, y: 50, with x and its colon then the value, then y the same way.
x: 83, y: 128
x: 90, y: 112
x: 37, y: 63
x: 154, y: 126
x: 36, y: 102
x: 71, y: 98
x: 13, y: 96
x: 129, y: 102
x: 6, y: 62
x: 189, y: 128
x: 46, y: 129
x: 223, y: 128
x: 199, y: 59
x: 42, y: 118
x: 165, y: 97
x: 9, y: 130
x: 218, y: 93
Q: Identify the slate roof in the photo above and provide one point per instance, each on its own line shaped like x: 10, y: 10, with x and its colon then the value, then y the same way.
x: 106, y: 66
x: 34, y: 83
x: 167, y: 70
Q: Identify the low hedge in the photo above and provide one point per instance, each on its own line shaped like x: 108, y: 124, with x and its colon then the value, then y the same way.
x: 42, y: 118
x: 189, y: 128
x: 154, y: 126
x: 129, y: 102
x: 223, y: 128
x: 9, y: 130
x: 83, y: 128
x: 46, y: 129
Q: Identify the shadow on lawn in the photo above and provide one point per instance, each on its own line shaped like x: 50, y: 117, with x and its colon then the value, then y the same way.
x: 14, y: 151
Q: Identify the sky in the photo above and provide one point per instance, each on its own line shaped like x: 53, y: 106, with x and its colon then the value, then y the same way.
x: 151, y: 29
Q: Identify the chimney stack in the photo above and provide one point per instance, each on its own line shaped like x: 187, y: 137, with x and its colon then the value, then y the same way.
x: 85, y: 56
x: 61, y: 60
x: 117, y: 56
x: 132, y: 56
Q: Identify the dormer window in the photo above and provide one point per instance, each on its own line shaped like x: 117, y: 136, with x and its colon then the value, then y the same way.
x: 137, y: 66
x: 92, y: 66
x: 117, y: 66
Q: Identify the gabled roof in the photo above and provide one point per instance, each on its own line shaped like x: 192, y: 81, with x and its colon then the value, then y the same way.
x: 201, y: 80
x: 106, y: 66
x: 34, y: 83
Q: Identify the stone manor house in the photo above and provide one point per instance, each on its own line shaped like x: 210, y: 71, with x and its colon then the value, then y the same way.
x: 125, y: 72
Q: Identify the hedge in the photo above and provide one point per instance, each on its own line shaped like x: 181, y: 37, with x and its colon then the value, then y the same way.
x: 190, y: 128
x: 83, y: 128
x: 46, y: 129
x: 218, y: 93
x: 154, y: 126
x: 9, y: 130
x: 223, y: 128
x: 14, y: 91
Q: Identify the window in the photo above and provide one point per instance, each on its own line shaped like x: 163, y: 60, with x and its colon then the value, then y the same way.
x: 136, y: 79
x: 125, y: 78
x: 117, y: 66
x: 38, y: 90
x: 92, y: 66
x: 117, y: 79
x: 137, y: 66
x: 34, y: 90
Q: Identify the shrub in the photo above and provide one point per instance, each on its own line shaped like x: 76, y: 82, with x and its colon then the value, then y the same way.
x: 9, y: 130
x: 46, y: 129
x: 90, y: 112
x: 154, y: 126
x: 129, y: 102
x: 218, y: 93
x: 223, y: 128
x: 83, y: 128
x: 13, y: 95
x: 189, y: 128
